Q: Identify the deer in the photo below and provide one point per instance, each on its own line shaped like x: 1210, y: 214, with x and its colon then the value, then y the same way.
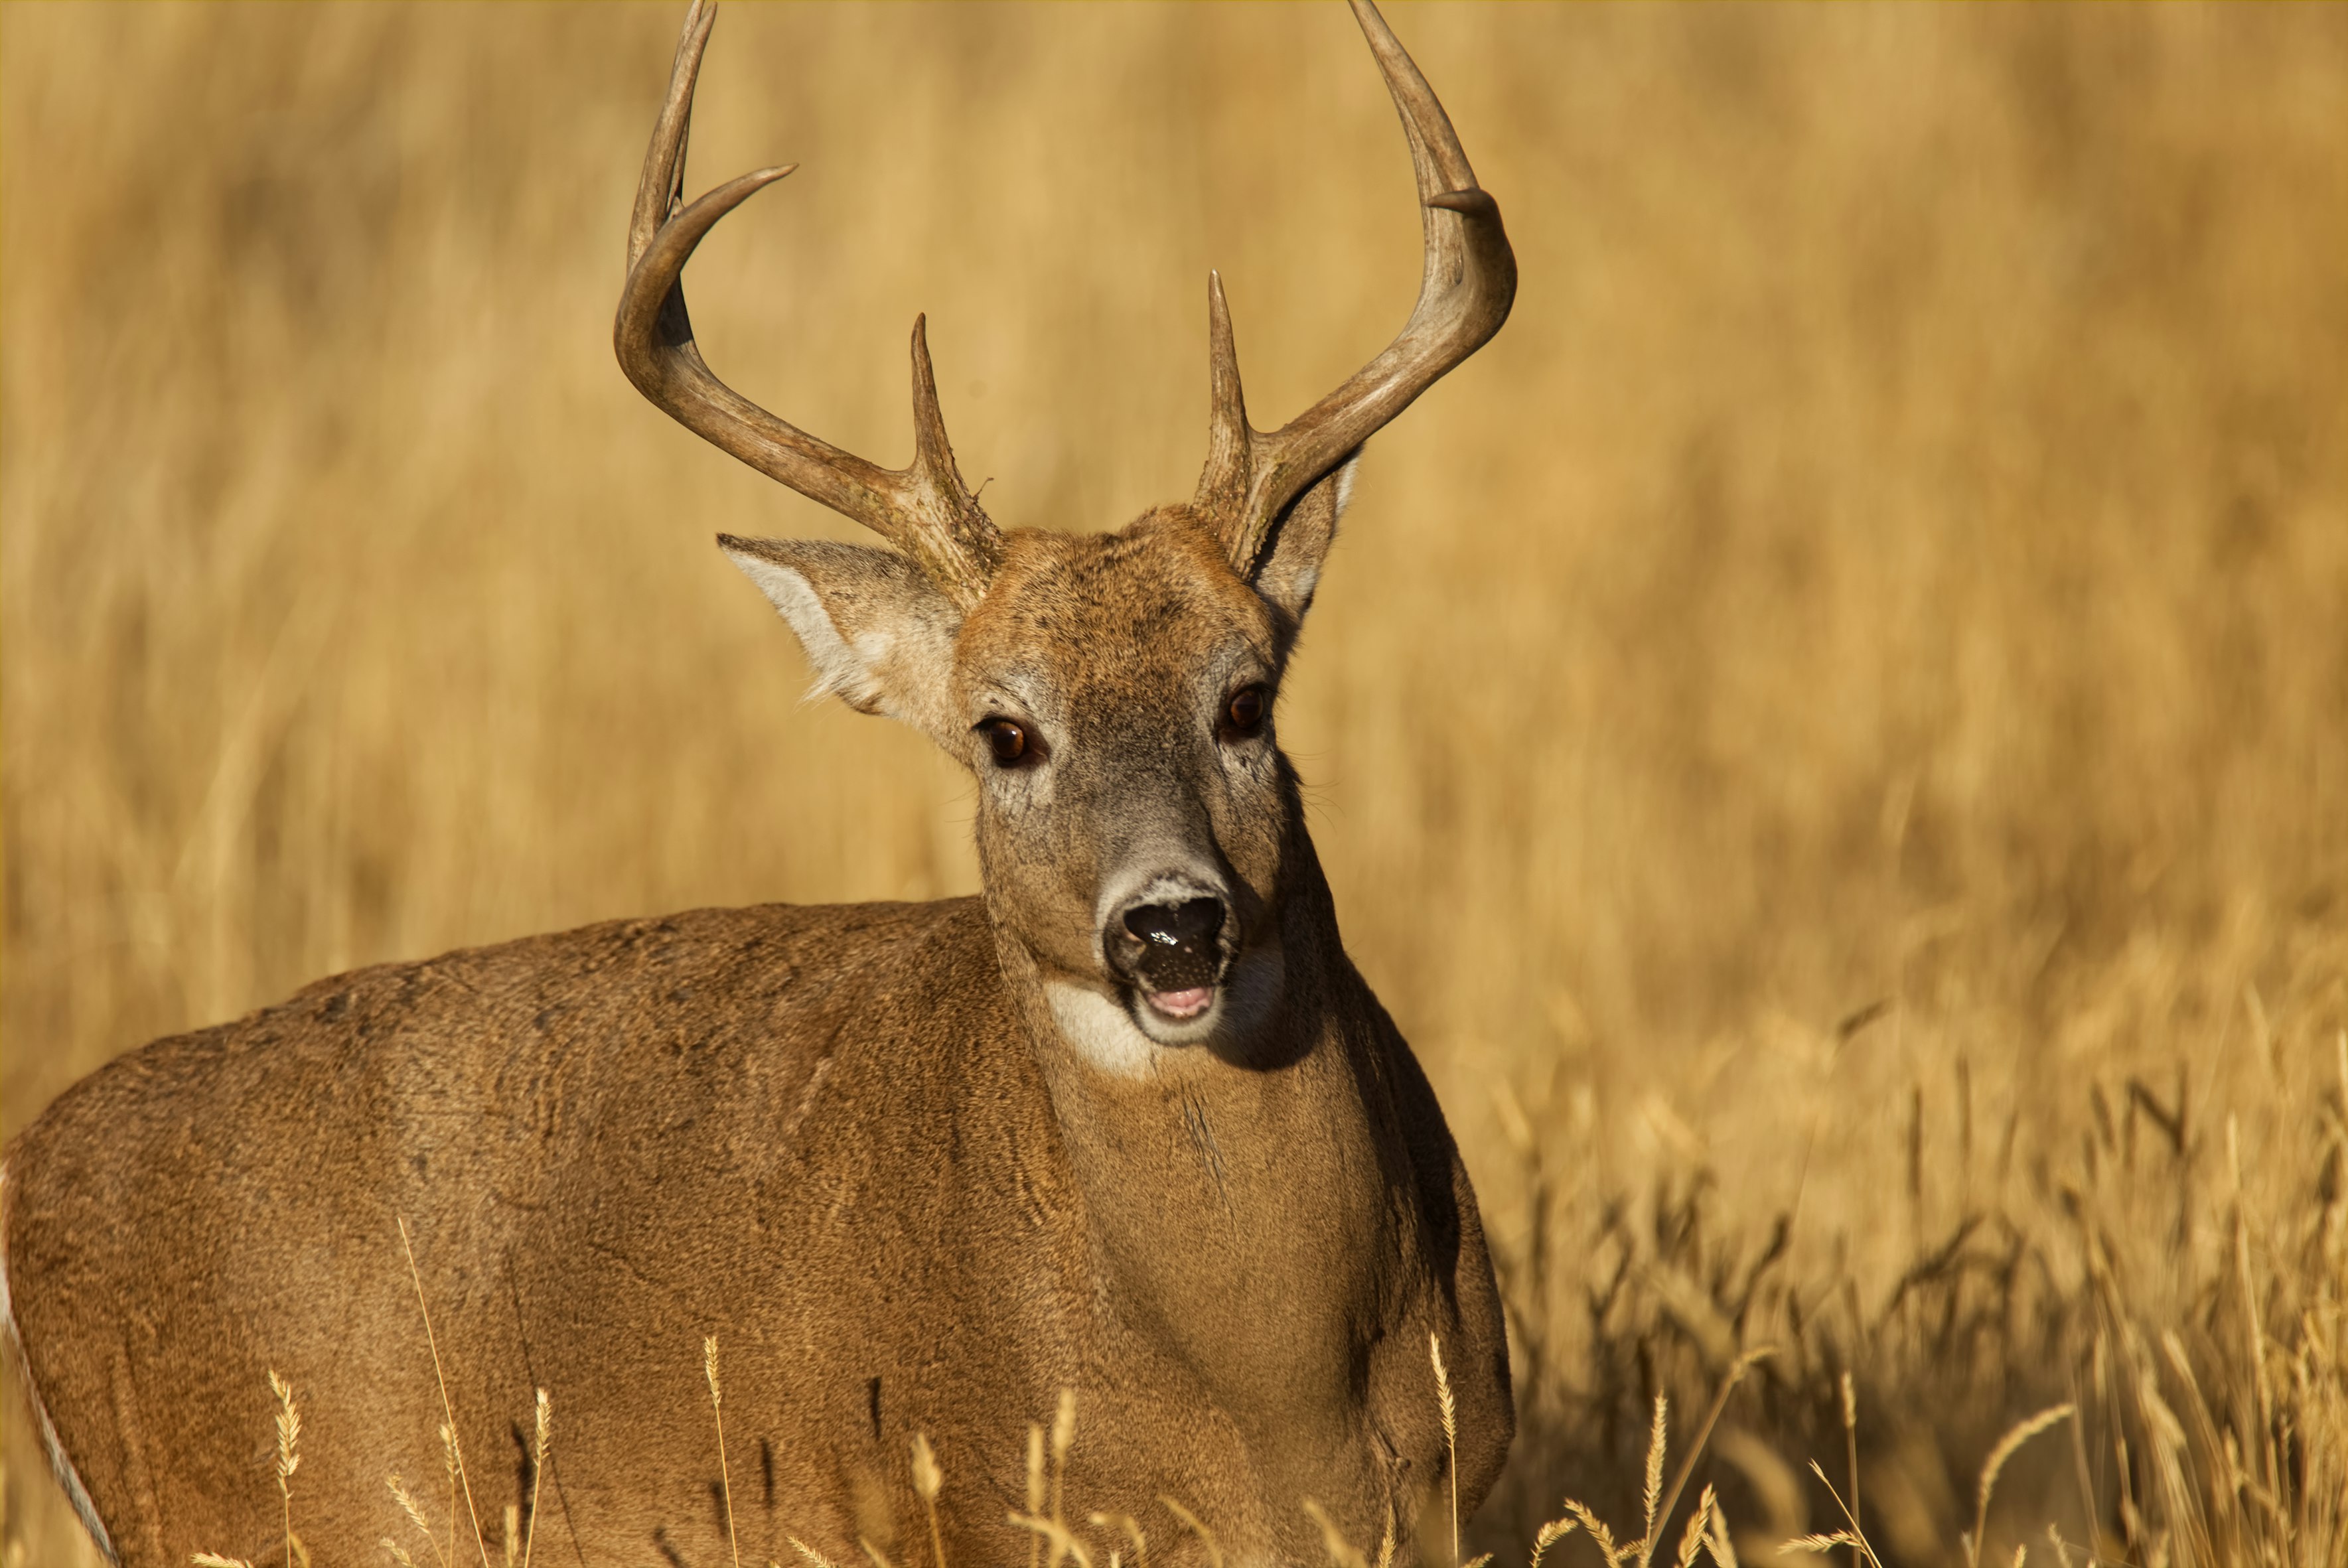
x: 1128, y: 1122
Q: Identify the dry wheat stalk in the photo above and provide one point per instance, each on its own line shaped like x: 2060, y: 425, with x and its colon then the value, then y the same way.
x: 1450, y: 1432
x: 449, y: 1410
x: 928, y: 1479
x: 289, y: 1430
x: 716, y: 1410
x: 1601, y: 1536
x: 541, y: 1437
x: 1851, y: 1453
x: 1691, y: 1537
x: 1717, y: 1539
x: 1132, y: 1528
x: 809, y: 1552
x: 1064, y: 1437
x: 1192, y: 1522
x: 1550, y: 1534
x: 2017, y: 1435
x: 1064, y: 1542
x: 1853, y: 1537
x: 452, y: 1461
x: 1653, y: 1492
x: 1342, y: 1551
x: 415, y: 1511
x: 1034, y: 1489
x: 1738, y: 1369
x: 289, y: 1453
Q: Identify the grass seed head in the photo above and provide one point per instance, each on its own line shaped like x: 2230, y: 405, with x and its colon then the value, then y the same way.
x: 1692, y: 1538
x: 1443, y: 1390
x: 1717, y: 1538
x: 1822, y: 1544
x: 2018, y: 1434
x: 809, y: 1552
x: 1555, y: 1530
x: 289, y: 1429
x: 927, y: 1477
x: 407, y: 1501
x: 1657, y: 1437
x: 1597, y: 1529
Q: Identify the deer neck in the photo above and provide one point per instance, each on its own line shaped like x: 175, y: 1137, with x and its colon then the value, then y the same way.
x: 1234, y: 1196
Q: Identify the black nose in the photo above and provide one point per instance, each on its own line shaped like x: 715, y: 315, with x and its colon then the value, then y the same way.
x: 1177, y: 925
x: 1178, y: 948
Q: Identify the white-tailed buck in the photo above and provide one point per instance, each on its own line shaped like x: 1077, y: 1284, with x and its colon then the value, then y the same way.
x: 1128, y: 1123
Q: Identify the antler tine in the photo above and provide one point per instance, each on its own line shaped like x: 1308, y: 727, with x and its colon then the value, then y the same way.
x: 924, y: 510
x: 1222, y: 487
x: 1465, y: 288
x: 661, y: 191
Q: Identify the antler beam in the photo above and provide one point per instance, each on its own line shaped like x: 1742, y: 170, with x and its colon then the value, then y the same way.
x: 926, y: 511
x: 1251, y: 475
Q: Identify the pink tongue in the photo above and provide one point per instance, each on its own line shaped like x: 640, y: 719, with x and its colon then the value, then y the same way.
x: 1182, y: 1003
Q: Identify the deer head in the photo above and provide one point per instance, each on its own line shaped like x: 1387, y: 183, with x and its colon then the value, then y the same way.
x: 1113, y: 695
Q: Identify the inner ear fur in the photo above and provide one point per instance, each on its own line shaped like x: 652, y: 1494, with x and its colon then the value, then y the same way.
x: 1291, y: 568
x: 879, y: 634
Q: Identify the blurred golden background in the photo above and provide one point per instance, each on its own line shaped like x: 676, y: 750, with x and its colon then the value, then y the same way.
x: 1830, y: 734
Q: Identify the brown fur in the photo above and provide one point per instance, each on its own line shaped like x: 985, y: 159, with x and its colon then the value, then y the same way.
x: 918, y: 1167
x: 845, y: 1140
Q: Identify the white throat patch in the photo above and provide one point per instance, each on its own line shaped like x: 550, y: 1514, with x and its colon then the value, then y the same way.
x: 1105, y: 1035
x: 1101, y: 1031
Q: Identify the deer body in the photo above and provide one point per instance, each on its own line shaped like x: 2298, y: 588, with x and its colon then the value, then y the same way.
x: 609, y: 1142
x: 1130, y: 1124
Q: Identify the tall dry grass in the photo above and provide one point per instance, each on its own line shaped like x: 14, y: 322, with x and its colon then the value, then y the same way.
x: 1831, y: 734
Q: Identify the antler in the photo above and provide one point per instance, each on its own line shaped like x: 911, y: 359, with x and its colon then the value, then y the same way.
x: 1251, y: 475
x: 924, y: 510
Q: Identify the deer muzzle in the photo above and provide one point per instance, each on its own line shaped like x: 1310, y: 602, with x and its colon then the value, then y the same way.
x: 1171, y: 951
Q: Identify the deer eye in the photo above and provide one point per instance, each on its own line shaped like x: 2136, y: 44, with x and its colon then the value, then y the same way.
x: 1007, y: 739
x: 1245, y: 710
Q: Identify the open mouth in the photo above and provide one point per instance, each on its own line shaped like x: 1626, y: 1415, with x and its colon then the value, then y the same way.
x: 1171, y: 954
x: 1180, y: 1006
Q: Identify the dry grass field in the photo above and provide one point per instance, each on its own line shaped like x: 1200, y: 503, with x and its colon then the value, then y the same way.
x: 1831, y: 734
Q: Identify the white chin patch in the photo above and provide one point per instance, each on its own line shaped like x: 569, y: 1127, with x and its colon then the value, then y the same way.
x: 1100, y: 1030
x: 1120, y: 1035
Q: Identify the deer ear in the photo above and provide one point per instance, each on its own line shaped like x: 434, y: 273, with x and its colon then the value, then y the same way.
x: 879, y: 634
x: 1291, y: 569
